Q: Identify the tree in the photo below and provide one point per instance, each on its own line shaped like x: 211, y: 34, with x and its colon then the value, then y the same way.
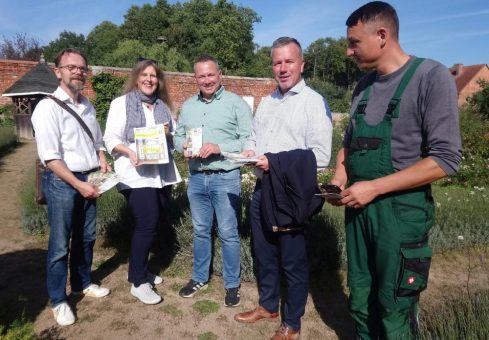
x: 260, y: 65
x: 196, y: 27
x: 326, y: 60
x: 146, y: 23
x: 20, y: 47
x: 102, y: 40
x: 126, y: 54
x: 128, y: 51
x: 65, y: 40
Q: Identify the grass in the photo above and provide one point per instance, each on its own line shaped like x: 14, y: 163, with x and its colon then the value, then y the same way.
x: 207, y: 336
x: 205, y: 307
x: 462, y: 318
x: 173, y: 311
x: 18, y: 330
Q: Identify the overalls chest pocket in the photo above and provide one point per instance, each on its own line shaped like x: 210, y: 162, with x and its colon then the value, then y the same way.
x: 366, y: 158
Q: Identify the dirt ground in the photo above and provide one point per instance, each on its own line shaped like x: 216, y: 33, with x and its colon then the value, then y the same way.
x: 120, y: 316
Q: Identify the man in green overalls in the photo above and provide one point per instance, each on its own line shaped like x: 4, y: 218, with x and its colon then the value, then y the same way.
x: 403, y: 135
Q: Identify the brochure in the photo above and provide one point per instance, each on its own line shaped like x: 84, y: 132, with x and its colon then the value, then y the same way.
x: 238, y: 158
x: 151, y: 146
x: 103, y: 180
x: 194, y: 141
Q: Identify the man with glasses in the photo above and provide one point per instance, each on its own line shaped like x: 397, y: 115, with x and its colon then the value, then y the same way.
x: 70, y: 155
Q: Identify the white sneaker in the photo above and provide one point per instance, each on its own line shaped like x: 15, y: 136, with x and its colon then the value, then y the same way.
x: 145, y: 294
x: 63, y: 314
x: 154, y: 279
x: 94, y: 291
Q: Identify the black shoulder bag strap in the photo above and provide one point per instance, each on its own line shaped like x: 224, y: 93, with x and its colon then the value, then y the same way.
x: 75, y: 115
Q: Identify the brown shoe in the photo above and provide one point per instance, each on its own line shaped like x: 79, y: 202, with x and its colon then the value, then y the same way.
x: 254, y: 315
x: 286, y: 333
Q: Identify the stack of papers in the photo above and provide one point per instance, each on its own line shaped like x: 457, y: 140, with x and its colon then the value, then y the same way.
x: 103, y: 180
x: 238, y: 158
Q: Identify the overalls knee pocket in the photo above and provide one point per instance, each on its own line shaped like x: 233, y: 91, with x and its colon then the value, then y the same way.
x: 414, y: 269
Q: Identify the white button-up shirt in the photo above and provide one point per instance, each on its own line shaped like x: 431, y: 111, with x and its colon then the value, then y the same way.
x: 60, y: 136
x: 142, y: 176
x: 299, y: 119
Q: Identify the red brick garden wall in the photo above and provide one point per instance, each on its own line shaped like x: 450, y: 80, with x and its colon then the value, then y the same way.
x: 180, y: 85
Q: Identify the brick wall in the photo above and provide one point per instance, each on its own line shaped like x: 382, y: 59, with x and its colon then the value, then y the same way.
x: 180, y: 85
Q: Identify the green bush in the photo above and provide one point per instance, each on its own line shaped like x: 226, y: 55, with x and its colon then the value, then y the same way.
x: 7, y: 115
x: 480, y: 100
x: 339, y: 98
x: 106, y: 87
x: 7, y: 139
x: 474, y: 169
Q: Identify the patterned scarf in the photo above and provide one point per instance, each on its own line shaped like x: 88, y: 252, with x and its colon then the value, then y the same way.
x: 135, y: 114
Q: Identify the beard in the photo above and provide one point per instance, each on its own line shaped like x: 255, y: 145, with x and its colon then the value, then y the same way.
x: 76, y: 87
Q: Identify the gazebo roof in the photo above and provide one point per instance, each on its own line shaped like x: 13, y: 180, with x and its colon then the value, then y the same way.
x: 38, y: 80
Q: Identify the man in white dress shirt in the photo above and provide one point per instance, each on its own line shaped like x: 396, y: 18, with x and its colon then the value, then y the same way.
x: 69, y: 155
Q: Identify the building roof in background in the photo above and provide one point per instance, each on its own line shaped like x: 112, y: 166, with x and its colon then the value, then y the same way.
x: 38, y: 80
x: 464, y: 74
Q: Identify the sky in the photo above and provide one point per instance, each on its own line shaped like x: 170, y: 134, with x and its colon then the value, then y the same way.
x: 450, y: 31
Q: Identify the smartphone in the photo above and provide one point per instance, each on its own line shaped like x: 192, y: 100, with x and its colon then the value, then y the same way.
x: 330, y: 191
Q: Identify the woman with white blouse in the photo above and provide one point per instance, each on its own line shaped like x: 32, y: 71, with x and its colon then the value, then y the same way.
x: 146, y: 187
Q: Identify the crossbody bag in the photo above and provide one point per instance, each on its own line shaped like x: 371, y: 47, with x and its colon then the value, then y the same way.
x: 40, y: 168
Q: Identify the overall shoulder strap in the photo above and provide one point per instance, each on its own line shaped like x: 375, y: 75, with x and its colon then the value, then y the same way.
x: 394, y: 104
x: 75, y: 115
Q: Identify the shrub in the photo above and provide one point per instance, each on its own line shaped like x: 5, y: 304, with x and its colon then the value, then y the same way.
x: 339, y: 98
x: 480, y: 100
x: 7, y: 115
x: 7, y: 139
x: 106, y: 87
x: 474, y: 169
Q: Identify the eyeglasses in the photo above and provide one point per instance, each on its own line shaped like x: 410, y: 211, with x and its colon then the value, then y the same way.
x: 74, y: 68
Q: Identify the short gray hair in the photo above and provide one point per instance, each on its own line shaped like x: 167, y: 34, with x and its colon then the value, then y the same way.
x: 284, y: 41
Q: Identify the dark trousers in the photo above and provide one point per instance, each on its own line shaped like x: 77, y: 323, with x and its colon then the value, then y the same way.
x: 145, y: 205
x: 275, y: 253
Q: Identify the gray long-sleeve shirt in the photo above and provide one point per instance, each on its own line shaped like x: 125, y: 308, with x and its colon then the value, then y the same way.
x: 428, y: 122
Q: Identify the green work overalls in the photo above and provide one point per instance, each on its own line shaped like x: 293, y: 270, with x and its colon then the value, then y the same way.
x: 387, y: 241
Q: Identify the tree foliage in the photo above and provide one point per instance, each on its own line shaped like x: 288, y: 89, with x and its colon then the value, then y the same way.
x: 101, y: 41
x: 66, y: 39
x: 326, y: 60
x: 196, y: 27
x: 20, y: 47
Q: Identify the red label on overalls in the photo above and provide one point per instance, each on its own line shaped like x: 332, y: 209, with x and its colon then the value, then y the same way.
x: 411, y: 280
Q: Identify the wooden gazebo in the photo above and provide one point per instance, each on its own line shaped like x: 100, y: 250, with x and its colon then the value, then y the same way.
x: 26, y: 92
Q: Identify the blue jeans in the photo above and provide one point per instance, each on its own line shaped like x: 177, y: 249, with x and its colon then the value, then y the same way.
x: 217, y: 193
x: 69, y: 215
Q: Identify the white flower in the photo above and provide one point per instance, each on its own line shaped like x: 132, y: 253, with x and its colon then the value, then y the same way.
x: 460, y: 237
x: 472, y: 193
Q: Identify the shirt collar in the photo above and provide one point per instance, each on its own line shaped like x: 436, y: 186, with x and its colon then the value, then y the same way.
x: 297, y: 88
x: 63, y: 96
x: 217, y: 95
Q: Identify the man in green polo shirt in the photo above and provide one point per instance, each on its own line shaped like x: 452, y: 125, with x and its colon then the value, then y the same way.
x: 223, y: 119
